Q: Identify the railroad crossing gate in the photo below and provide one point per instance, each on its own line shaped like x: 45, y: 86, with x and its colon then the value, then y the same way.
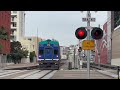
x: 88, y: 45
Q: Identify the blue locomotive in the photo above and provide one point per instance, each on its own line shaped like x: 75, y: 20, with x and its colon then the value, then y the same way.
x: 49, y: 54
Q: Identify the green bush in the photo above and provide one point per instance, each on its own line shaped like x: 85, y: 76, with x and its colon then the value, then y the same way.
x: 17, y: 53
x: 32, y: 55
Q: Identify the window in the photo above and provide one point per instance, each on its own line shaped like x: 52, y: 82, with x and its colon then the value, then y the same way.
x: 40, y: 52
x: 56, y: 52
x: 12, y: 18
x: 33, y: 46
x: 14, y: 24
x: 14, y: 11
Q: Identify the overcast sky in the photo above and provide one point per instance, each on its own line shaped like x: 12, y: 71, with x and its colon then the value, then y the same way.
x: 60, y: 25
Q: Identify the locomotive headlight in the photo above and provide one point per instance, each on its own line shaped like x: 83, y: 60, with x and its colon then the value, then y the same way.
x: 57, y: 56
x: 39, y: 56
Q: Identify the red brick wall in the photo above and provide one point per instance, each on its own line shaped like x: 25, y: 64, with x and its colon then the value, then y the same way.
x: 103, y: 47
x: 5, y: 21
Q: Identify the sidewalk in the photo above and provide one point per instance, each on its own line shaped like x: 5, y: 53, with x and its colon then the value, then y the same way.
x: 12, y: 65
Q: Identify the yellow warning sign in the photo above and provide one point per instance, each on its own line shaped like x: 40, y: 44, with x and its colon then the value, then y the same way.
x: 88, y: 45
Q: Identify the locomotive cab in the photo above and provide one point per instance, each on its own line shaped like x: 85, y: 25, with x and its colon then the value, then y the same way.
x: 49, y: 56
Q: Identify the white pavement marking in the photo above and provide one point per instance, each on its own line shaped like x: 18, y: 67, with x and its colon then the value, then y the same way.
x: 49, y: 75
x: 38, y: 75
x: 11, y: 73
x: 8, y: 71
x: 25, y: 75
x: 108, y: 73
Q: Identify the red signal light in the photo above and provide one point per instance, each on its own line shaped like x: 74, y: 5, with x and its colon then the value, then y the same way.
x: 81, y: 33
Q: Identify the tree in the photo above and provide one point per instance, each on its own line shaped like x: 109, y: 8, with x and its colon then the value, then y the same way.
x: 32, y: 55
x: 3, y: 34
x: 16, y: 51
x: 15, y: 46
x: 24, y: 53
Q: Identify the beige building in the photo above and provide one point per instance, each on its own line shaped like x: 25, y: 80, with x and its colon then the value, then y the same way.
x: 30, y: 43
x: 17, y: 25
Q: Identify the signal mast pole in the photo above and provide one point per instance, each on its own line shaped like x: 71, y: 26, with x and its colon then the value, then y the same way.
x: 88, y: 19
x: 88, y: 38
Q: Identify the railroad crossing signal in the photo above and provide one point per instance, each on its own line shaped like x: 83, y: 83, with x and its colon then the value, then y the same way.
x: 81, y: 33
x: 97, y: 33
x: 88, y: 45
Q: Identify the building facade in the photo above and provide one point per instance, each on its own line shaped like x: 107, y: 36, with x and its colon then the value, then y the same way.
x: 115, y: 46
x: 17, y: 25
x: 30, y: 43
x: 5, y: 17
x: 64, y: 52
x: 115, y: 39
x: 101, y: 49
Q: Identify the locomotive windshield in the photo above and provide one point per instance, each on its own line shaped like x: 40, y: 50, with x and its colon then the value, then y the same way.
x: 41, y: 52
x: 56, y: 52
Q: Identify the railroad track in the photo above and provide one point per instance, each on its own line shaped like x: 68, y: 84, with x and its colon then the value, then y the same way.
x: 28, y: 74
x: 40, y: 74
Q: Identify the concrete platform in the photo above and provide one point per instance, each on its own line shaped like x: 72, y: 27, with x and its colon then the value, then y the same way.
x: 79, y: 74
x: 13, y: 66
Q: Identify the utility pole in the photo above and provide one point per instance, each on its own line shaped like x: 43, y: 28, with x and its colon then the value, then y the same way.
x: 37, y: 44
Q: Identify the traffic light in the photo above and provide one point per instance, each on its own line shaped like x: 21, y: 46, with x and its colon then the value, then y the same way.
x: 97, y: 33
x: 81, y: 33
